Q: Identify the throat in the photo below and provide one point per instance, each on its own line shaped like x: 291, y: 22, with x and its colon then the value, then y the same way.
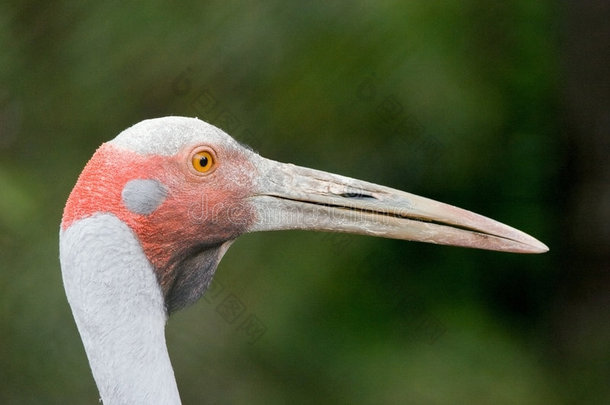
x: 189, y: 274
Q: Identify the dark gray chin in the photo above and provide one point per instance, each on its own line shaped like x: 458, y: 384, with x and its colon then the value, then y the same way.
x: 192, y: 272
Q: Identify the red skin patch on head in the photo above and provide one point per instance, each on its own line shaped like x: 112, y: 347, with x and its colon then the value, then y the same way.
x: 199, y: 209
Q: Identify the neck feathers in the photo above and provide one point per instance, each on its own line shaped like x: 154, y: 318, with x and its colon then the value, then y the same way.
x: 119, y: 309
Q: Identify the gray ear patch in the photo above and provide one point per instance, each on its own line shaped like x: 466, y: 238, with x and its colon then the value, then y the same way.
x: 143, y: 196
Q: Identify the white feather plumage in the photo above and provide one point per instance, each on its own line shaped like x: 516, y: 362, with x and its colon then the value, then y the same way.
x: 119, y: 310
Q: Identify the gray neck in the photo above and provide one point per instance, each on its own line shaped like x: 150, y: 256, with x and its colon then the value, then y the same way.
x: 119, y: 311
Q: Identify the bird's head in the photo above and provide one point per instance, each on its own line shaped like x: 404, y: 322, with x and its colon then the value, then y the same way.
x: 187, y: 189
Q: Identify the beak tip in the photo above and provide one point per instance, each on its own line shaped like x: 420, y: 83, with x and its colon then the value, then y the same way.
x: 537, y: 247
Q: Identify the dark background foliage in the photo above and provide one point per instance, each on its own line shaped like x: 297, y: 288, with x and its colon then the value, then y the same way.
x: 498, y: 107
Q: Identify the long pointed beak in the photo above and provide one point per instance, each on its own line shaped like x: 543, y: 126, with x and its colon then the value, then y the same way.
x: 292, y: 197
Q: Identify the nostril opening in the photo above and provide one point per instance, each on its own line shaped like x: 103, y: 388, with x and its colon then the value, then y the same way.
x: 357, y: 195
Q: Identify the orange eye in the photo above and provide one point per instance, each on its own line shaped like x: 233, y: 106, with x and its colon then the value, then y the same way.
x: 203, y: 161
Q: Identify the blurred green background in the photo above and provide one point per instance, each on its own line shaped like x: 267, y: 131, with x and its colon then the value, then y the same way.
x: 497, y: 107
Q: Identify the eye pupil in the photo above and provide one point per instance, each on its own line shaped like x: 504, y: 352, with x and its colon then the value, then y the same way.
x: 203, y: 161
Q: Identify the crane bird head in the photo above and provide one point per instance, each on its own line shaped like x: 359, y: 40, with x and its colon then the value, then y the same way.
x: 176, y: 192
